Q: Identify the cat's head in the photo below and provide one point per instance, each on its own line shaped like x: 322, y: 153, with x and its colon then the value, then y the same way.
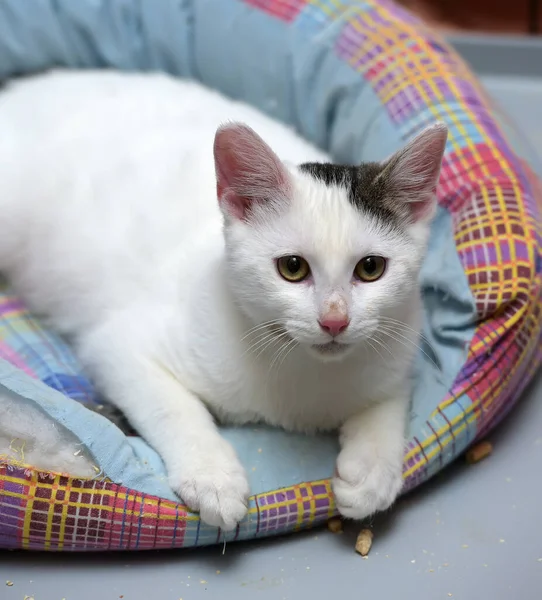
x: 324, y: 253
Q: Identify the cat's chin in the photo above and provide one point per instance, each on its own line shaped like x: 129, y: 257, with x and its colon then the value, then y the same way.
x: 330, y: 352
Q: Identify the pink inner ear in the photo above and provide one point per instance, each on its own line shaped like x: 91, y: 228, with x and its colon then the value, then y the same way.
x: 247, y: 170
x: 414, y: 171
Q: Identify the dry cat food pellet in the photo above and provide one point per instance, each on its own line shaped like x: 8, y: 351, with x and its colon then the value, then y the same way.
x: 479, y: 452
x: 335, y: 525
x: 9, y: 583
x: 364, y: 542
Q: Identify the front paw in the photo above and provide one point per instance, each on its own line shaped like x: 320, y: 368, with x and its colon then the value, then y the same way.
x: 365, y: 482
x: 216, y: 486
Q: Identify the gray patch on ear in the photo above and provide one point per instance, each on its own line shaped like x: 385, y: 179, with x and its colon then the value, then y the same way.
x: 365, y: 191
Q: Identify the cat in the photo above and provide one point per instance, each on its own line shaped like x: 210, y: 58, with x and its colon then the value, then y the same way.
x: 202, y: 278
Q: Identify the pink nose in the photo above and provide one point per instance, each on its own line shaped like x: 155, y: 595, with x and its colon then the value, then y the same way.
x: 334, y: 325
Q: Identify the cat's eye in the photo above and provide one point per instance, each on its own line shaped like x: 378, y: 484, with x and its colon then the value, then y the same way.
x: 293, y: 268
x: 370, y: 268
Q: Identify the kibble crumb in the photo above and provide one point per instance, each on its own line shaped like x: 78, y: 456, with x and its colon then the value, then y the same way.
x: 478, y: 452
x: 9, y: 583
x: 335, y: 525
x: 202, y: 581
x: 364, y: 542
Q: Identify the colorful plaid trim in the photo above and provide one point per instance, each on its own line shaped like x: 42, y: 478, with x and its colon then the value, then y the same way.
x: 53, y: 512
x: 495, y: 202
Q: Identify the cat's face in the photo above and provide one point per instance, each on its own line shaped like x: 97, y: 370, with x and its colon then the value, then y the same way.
x: 325, y: 255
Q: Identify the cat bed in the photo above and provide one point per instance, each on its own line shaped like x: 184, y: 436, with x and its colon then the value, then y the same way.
x: 357, y: 79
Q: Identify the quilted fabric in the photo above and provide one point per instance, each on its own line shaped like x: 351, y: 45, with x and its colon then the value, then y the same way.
x: 489, y: 193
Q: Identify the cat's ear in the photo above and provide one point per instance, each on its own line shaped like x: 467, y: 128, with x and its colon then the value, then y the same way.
x: 411, y: 175
x: 247, y: 171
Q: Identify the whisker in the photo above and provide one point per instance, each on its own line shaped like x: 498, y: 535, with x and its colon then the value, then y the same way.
x: 262, y: 338
x: 275, y: 340
x: 369, y: 341
x: 279, y: 352
x: 382, y: 345
x: 419, y: 334
x: 291, y: 346
x: 386, y: 330
x: 260, y: 326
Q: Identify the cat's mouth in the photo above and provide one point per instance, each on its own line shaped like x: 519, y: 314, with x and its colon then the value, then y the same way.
x: 331, y: 350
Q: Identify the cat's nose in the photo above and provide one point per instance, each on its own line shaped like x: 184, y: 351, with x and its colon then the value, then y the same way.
x: 334, y: 324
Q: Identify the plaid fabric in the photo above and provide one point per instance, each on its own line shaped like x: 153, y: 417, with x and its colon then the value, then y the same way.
x: 38, y: 352
x: 52, y: 512
x: 494, y: 200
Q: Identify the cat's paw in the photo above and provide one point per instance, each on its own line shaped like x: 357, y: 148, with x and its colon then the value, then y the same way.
x: 365, y: 482
x: 216, y: 486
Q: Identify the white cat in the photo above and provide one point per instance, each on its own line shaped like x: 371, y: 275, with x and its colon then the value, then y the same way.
x: 292, y: 299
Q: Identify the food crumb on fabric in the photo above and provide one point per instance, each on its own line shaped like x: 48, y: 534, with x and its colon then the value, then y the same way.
x: 450, y: 594
x: 9, y: 583
x: 364, y: 541
x: 260, y: 450
x: 501, y: 541
x: 202, y: 581
x: 465, y: 546
x: 413, y: 561
x: 335, y: 525
x: 431, y: 570
x: 218, y: 572
x: 32, y: 598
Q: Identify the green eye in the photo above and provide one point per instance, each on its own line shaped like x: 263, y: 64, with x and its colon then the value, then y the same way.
x: 293, y: 268
x: 370, y: 268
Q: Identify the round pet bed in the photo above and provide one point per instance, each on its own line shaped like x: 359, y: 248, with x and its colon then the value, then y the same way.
x: 358, y: 79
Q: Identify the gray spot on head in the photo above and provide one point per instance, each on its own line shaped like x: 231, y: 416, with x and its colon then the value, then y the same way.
x: 365, y: 192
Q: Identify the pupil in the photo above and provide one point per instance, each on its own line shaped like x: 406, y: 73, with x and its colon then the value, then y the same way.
x: 370, y: 266
x: 293, y: 264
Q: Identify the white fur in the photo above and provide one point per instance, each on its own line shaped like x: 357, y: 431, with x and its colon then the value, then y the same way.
x: 112, y: 230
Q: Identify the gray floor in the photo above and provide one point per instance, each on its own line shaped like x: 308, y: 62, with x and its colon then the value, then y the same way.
x: 473, y: 533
